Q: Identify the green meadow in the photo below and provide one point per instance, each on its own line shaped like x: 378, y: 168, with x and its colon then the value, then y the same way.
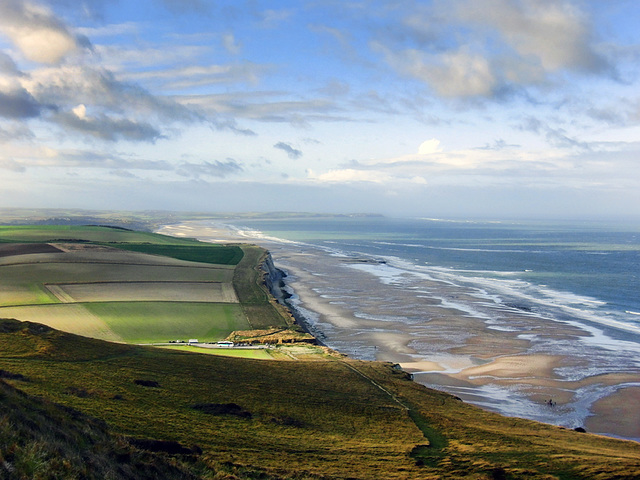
x: 150, y: 322
x: 135, y: 287
x: 255, y: 354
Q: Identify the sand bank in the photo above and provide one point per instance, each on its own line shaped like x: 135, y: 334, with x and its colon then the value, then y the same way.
x: 514, y: 370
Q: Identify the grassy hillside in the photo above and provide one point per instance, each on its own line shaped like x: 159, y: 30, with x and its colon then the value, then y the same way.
x: 39, y: 439
x: 329, y: 418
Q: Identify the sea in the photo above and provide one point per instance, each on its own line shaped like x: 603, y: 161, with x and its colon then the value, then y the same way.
x: 569, y: 289
x: 583, y: 272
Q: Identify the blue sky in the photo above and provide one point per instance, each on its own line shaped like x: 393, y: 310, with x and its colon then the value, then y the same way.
x: 457, y: 108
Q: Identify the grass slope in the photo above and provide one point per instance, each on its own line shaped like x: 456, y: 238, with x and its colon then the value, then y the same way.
x: 331, y: 418
x: 39, y: 439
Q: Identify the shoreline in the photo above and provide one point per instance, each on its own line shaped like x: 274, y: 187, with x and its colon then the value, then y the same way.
x: 487, y: 367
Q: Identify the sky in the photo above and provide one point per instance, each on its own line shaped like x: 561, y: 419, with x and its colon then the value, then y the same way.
x: 442, y: 108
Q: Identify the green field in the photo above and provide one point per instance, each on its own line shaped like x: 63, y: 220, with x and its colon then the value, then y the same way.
x: 216, y: 254
x: 136, y: 287
x: 143, y: 242
x: 149, y: 322
x: 254, y: 354
x: 81, y: 233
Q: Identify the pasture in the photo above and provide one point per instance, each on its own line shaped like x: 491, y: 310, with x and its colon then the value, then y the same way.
x: 83, y: 233
x: 41, y: 271
x: 214, y: 292
x: 255, y: 354
x: 128, y: 286
x: 150, y: 322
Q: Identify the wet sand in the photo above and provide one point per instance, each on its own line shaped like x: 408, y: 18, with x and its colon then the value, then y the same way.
x: 447, y: 348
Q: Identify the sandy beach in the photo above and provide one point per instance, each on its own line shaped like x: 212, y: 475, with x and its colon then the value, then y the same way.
x: 447, y: 348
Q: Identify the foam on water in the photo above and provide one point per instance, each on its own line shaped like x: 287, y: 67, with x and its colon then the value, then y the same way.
x: 517, y: 298
x: 396, y: 271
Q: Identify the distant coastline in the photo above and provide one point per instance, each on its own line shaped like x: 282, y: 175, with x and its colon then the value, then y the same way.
x: 322, y: 285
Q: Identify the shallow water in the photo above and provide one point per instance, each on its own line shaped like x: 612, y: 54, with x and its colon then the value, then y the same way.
x: 459, y: 295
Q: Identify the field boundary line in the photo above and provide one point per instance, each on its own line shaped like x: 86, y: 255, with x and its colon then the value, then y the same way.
x: 162, y: 265
x: 58, y: 292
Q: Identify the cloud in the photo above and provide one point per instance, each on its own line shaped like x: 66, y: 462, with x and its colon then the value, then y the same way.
x: 498, y: 144
x: 466, y: 48
x: 209, y: 169
x: 230, y: 44
x: 16, y: 103
x: 33, y: 157
x: 555, y: 136
x: 554, y: 34
x: 460, y: 73
x: 119, y: 110
x: 274, y: 18
x: 90, y: 159
x: 8, y: 66
x: 70, y: 85
x: 107, y: 128
x: 429, y: 146
x: 193, y: 76
x: 349, y: 175
x: 15, y: 131
x: 11, y: 165
x: 291, y: 152
x: 37, y: 32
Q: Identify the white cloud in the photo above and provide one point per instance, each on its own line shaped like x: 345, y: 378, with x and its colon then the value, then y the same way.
x: 40, y: 36
x: 467, y: 48
x: 230, y: 44
x: 554, y: 34
x: 80, y: 111
x: 429, y: 146
x: 349, y: 175
x: 458, y: 73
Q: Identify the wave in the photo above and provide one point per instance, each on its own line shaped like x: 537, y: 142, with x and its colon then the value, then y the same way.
x: 502, y: 293
x: 493, y: 289
x: 247, y: 232
x: 456, y: 249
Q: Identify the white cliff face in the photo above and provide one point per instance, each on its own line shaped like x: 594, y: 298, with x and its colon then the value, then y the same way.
x: 273, y: 278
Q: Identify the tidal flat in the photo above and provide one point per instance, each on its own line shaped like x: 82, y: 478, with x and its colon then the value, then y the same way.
x: 497, y: 354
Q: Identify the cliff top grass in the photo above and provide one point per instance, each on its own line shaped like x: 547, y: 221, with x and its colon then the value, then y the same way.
x: 138, y: 287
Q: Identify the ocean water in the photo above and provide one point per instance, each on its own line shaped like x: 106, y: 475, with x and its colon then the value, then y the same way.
x: 462, y: 294
x: 584, y: 272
